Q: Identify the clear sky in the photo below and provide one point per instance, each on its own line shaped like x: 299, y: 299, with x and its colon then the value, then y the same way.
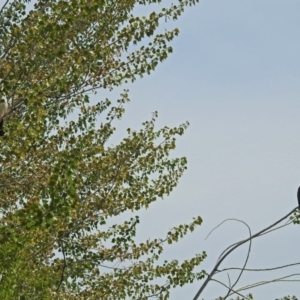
x: 234, y: 75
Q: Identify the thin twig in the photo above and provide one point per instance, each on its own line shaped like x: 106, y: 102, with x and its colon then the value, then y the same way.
x: 280, y: 279
x: 260, y: 270
x: 229, y: 281
x: 279, y: 227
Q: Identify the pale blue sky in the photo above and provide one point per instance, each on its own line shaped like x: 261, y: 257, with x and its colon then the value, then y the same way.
x: 234, y: 75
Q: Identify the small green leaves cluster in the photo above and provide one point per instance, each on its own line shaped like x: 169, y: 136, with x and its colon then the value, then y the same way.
x: 295, y: 218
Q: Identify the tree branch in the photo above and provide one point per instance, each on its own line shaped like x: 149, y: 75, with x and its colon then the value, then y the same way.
x: 235, y: 246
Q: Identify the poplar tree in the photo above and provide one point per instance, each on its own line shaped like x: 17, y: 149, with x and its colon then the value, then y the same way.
x: 62, y: 183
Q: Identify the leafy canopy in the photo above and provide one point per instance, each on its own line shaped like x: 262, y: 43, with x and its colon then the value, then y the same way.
x: 60, y: 180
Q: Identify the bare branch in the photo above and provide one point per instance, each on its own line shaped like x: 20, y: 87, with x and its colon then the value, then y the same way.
x: 260, y: 270
x: 280, y: 279
x: 235, y: 246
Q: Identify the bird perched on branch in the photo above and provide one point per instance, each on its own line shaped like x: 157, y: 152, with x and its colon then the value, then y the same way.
x: 3, y: 110
x: 298, y: 196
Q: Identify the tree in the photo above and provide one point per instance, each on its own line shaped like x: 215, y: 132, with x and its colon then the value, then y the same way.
x: 60, y: 181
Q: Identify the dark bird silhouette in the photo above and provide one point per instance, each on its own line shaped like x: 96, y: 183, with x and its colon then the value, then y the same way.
x: 298, y: 196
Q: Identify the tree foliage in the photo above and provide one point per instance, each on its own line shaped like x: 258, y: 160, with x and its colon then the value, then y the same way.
x: 61, y: 182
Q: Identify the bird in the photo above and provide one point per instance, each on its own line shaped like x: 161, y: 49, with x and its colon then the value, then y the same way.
x: 298, y: 196
x: 3, y: 110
